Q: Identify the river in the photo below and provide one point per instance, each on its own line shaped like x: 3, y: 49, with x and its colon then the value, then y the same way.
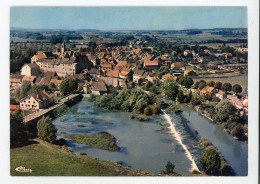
x: 143, y: 145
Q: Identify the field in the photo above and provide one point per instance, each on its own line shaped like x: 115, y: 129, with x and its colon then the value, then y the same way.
x: 50, y: 160
x: 241, y: 79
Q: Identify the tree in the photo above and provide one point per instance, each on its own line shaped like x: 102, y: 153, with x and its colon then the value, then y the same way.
x: 181, y: 96
x: 211, y: 83
x: 210, y: 161
x: 196, y: 85
x: 171, y: 89
x: 224, y: 110
x: 140, y: 81
x: 186, y: 81
x: 169, y: 167
x: 16, y: 128
x: 23, y: 90
x: 237, y: 88
x: 202, y: 85
x: 227, y: 87
x: 68, y: 86
x: 46, y: 130
x: 218, y: 85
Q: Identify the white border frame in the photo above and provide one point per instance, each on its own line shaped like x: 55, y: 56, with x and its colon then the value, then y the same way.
x: 253, y: 88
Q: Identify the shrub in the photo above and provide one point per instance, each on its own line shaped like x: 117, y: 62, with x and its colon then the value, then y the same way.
x: 82, y: 153
x: 147, y: 111
x: 169, y: 167
x: 211, y: 161
x: 46, y: 130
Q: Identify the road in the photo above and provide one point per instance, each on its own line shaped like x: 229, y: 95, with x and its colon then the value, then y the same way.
x: 44, y: 111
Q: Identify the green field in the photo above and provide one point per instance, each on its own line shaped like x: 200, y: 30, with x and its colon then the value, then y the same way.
x: 45, y: 159
x: 241, y: 80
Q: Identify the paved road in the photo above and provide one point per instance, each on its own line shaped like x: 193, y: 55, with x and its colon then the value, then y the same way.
x: 43, y: 111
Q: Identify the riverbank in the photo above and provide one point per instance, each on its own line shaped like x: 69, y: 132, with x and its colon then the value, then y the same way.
x: 41, y: 158
x: 207, y: 115
x: 45, y: 159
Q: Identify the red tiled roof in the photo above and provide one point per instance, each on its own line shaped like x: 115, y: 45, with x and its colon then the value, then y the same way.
x: 125, y: 71
x: 190, y: 70
x: 151, y: 63
x: 207, y: 90
x: 29, y: 78
x: 112, y: 73
x: 106, y: 65
x: 177, y: 64
x: 14, y: 107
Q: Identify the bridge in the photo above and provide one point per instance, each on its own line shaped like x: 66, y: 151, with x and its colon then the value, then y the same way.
x: 42, y: 112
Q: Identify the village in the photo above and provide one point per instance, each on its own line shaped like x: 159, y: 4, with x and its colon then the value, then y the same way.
x: 129, y: 91
x: 99, y: 68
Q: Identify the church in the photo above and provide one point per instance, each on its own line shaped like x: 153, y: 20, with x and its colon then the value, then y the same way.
x: 64, y: 63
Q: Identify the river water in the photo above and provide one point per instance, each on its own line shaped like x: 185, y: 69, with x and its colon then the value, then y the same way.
x: 143, y: 145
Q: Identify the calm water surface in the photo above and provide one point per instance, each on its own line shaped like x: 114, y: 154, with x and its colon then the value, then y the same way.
x: 143, y: 145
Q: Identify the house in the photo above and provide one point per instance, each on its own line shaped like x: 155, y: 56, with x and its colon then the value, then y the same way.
x: 14, y: 107
x: 69, y: 63
x: 93, y: 59
x: 30, y: 70
x: 176, y: 66
x: 233, y: 99
x: 36, y: 101
x: 137, y: 51
x: 221, y: 95
x: 208, y: 90
x: 169, y: 76
x: 190, y: 72
x: 126, y: 73
x: 152, y: 78
x: 56, y: 81
x: 112, y: 73
x: 106, y: 67
x: 245, y: 105
x: 227, y: 54
x: 42, y: 55
x: 186, y: 52
x: 148, y: 57
x: 30, y: 79
x: 98, y: 88
x: 94, y: 72
x: 151, y: 65
x: 122, y: 64
x: 16, y: 80
x: 138, y: 74
x: 47, y: 78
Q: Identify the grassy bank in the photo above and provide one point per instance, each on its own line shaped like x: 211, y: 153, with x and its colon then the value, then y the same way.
x: 101, y: 140
x: 50, y: 160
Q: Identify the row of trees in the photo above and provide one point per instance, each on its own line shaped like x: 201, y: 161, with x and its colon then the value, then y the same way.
x: 227, y: 87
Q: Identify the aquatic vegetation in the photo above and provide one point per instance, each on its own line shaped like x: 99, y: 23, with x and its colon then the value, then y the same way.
x: 101, y: 140
x: 93, y: 121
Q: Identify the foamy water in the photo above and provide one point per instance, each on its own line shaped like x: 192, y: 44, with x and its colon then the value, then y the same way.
x: 177, y: 136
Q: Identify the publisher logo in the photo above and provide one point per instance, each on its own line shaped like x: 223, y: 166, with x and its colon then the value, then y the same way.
x: 23, y: 169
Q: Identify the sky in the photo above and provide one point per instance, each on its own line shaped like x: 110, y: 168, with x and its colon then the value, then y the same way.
x: 128, y: 18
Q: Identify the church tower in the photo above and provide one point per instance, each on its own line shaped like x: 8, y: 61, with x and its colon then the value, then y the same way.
x: 63, y: 49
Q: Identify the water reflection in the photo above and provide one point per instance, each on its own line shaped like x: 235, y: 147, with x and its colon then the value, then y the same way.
x: 234, y: 151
